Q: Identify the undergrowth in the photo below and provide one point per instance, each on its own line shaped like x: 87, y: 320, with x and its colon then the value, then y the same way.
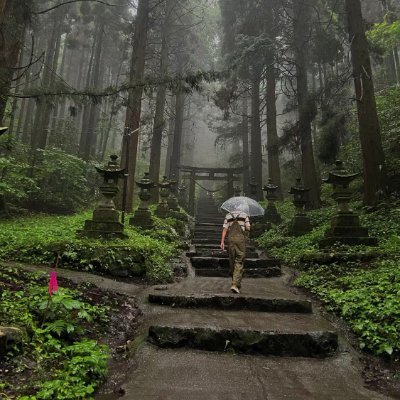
x: 57, y: 353
x: 34, y: 239
x: 359, y: 283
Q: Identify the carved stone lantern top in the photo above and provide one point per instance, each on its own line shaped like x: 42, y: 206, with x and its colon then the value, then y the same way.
x: 270, y: 190
x: 340, y: 176
x: 165, y: 183
x: 299, y: 193
x: 182, y: 189
x: 111, y: 171
x: 146, y: 183
x: 172, y: 182
x: 298, y: 188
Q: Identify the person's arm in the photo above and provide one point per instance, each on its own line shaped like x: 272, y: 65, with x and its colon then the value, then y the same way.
x: 224, y: 231
x: 247, y: 224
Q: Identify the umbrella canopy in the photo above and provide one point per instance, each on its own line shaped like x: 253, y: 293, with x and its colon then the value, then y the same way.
x: 245, y: 204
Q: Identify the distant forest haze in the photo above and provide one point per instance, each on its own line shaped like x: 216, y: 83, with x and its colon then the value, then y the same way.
x: 279, y: 88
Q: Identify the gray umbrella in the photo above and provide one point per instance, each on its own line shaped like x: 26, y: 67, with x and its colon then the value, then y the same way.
x: 245, y: 204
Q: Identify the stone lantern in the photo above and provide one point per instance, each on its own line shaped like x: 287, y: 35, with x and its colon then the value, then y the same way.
x: 271, y: 215
x: 142, y: 216
x: 163, y: 207
x: 172, y: 200
x: 182, y: 190
x: 345, y: 225
x: 253, y: 188
x: 301, y: 223
x: 105, y: 220
x: 237, y: 191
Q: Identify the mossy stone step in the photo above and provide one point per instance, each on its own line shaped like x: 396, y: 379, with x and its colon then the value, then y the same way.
x: 248, y: 272
x: 232, y: 302
x: 217, y: 253
x: 297, y: 344
x: 214, y: 262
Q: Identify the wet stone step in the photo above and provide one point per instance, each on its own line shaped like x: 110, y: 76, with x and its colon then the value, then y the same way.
x: 217, y: 253
x: 215, y: 247
x: 248, y: 272
x: 232, y: 302
x: 212, y: 262
x: 317, y: 344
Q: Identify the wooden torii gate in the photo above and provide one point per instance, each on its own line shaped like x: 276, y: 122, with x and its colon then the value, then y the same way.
x: 194, y: 174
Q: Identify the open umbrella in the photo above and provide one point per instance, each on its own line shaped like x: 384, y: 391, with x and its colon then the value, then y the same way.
x: 245, y: 204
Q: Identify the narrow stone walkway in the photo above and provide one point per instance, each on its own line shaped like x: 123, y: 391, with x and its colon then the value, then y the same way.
x: 205, y: 343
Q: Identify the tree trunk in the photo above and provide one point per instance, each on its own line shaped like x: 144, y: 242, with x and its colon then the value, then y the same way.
x: 369, y: 129
x: 86, y: 108
x: 12, y: 37
x: 245, y: 141
x: 177, y: 143
x: 133, y: 110
x: 171, y: 128
x: 274, y: 169
x: 302, y: 28
x: 256, y: 150
x: 89, y: 149
x: 44, y: 104
x: 159, y: 122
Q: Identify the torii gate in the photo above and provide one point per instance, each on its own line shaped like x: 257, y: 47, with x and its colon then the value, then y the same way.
x: 194, y: 174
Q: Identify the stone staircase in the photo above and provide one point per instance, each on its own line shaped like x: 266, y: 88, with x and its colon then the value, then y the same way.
x: 208, y: 259
x: 207, y: 343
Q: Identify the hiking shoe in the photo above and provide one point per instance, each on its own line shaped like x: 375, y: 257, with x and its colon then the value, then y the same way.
x: 235, y: 289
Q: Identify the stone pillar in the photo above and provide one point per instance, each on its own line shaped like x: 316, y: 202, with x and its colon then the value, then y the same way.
x: 231, y: 191
x: 271, y: 215
x: 301, y: 223
x: 192, y: 192
x: 253, y: 186
x: 162, y: 207
x: 142, y: 216
x: 172, y: 199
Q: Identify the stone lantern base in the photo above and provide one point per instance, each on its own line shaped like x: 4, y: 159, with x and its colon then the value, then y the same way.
x: 105, y: 223
x: 142, y: 218
x: 162, y: 210
x: 299, y: 225
x: 271, y: 215
x: 173, y: 204
x: 346, y: 229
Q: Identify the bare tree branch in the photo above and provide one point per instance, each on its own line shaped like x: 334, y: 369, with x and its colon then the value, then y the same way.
x: 72, y: 1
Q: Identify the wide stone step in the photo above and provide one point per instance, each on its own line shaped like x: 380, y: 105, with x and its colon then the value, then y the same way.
x: 213, y: 262
x: 217, y: 253
x: 248, y: 272
x: 205, y: 241
x: 215, y: 247
x: 297, y: 344
x: 232, y: 302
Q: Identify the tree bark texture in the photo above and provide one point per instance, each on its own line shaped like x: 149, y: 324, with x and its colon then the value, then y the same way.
x: 274, y: 169
x: 302, y: 29
x: 255, y: 132
x: 133, y: 111
x: 369, y: 129
x: 159, y: 121
x: 12, y: 28
x: 178, y: 128
x: 245, y: 143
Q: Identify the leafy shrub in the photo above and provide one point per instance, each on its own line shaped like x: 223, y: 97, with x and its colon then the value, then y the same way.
x: 65, y: 182
x: 367, y: 297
